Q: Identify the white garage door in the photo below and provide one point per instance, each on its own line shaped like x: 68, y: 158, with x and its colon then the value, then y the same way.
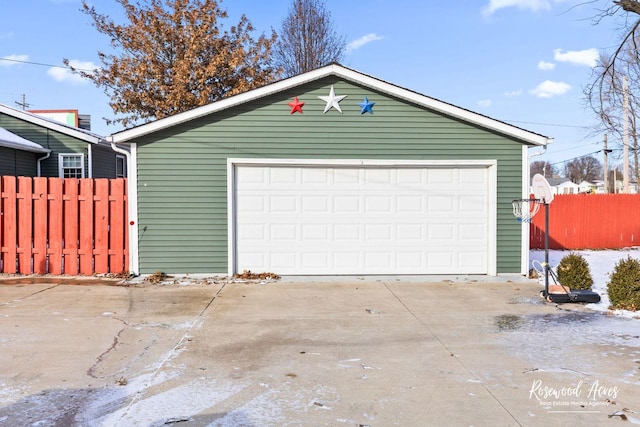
x: 361, y: 220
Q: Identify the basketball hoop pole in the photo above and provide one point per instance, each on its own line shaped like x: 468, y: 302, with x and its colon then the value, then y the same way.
x: 542, y: 190
x: 546, y: 247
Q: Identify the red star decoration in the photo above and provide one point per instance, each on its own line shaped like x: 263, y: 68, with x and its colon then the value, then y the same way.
x: 296, y: 106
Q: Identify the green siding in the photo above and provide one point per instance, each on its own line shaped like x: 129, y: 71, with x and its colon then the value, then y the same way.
x: 58, y: 143
x: 182, y: 171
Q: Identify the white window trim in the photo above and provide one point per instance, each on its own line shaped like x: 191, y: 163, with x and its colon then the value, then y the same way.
x: 61, y: 156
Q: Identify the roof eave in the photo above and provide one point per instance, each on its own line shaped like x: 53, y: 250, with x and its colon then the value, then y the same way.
x: 348, y: 74
x: 15, y: 146
x: 52, y: 125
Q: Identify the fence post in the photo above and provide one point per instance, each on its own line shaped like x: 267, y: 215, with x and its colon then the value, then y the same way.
x: 101, y: 226
x: 117, y: 224
x: 25, y: 224
x: 85, y: 250
x: 40, y: 196
x: 70, y: 208
x: 9, y: 231
x: 55, y: 219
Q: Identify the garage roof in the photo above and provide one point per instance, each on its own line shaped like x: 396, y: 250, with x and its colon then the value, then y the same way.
x: 348, y: 75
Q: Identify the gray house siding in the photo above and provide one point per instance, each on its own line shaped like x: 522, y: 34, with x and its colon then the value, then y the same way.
x: 103, y: 159
x: 18, y: 163
x: 182, y: 171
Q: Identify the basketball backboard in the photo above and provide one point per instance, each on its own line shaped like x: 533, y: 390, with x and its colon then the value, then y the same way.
x: 541, y: 189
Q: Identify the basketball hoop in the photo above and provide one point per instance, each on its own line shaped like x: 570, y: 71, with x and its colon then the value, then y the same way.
x: 525, y: 209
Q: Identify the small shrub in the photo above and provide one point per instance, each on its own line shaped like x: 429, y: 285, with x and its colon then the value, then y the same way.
x: 573, y: 271
x: 624, y: 285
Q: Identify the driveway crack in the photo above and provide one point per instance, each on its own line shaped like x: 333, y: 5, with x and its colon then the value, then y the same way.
x: 460, y: 362
x: 171, y: 353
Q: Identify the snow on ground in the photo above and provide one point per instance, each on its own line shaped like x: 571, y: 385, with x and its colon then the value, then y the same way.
x: 601, y: 263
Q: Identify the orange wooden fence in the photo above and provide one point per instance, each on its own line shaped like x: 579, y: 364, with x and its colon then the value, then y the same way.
x: 589, y: 221
x: 63, y: 226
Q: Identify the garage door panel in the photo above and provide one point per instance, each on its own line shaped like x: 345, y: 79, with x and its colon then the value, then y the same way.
x: 281, y: 176
x: 315, y: 260
x: 343, y: 232
x: 316, y: 232
x: 410, y: 232
x: 255, y: 232
x: 316, y: 204
x: 344, y: 261
x: 410, y: 260
x: 472, y: 232
x: 282, y: 232
x: 313, y: 220
x: 473, y: 177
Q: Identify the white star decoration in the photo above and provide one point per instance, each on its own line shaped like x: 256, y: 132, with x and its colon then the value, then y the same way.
x: 332, y: 101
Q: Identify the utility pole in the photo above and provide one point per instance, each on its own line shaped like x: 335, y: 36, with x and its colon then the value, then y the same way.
x: 605, y: 166
x: 23, y: 104
x: 625, y: 136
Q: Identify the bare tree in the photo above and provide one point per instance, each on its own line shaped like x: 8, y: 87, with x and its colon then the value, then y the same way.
x: 308, y: 39
x: 544, y: 168
x: 174, y: 55
x: 586, y: 168
x: 605, y: 95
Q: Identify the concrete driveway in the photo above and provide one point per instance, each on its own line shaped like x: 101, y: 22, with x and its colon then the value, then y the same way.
x: 342, y: 353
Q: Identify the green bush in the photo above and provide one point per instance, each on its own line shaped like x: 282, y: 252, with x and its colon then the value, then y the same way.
x: 573, y: 271
x: 624, y: 285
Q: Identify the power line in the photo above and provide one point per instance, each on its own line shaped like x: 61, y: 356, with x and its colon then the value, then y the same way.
x: 574, y: 148
x: 547, y: 124
x: 42, y: 64
x: 579, y: 157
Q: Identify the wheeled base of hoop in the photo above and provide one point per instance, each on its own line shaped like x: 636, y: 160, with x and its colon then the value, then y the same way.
x: 582, y: 296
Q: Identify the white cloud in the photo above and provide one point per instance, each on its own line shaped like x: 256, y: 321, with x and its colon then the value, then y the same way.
x: 486, y: 103
x: 8, y: 35
x: 358, y: 43
x: 588, y: 57
x: 62, y: 74
x: 13, y: 60
x: 513, y: 93
x: 533, y: 5
x: 549, y: 89
x: 546, y: 66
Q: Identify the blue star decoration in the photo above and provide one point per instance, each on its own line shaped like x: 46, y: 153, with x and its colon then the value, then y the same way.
x: 367, y: 106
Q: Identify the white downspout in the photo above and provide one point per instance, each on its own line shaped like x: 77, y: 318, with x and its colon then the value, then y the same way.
x: 39, y: 161
x: 526, y: 192
x: 132, y: 204
x: 89, y: 162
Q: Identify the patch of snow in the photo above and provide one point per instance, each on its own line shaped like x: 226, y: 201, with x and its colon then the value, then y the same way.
x: 191, y: 398
x: 601, y: 264
x: 264, y: 409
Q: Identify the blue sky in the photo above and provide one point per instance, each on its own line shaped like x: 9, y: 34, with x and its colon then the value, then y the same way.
x: 520, y: 61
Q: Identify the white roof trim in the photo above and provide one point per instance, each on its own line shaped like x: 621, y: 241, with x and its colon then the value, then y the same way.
x: 347, y: 74
x: 11, y: 140
x: 35, y: 119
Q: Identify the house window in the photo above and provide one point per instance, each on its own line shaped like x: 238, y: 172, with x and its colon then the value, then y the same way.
x: 121, y: 166
x: 71, y: 165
